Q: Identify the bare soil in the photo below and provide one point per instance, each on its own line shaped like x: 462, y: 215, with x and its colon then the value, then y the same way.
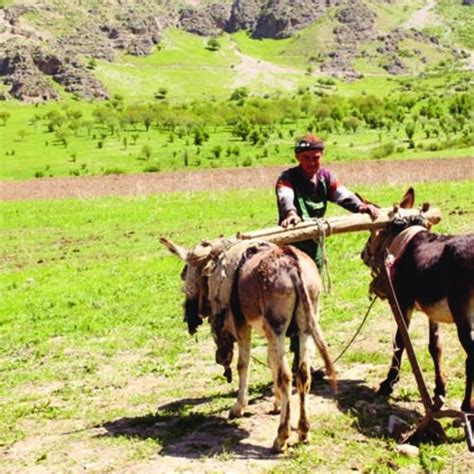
x: 361, y: 172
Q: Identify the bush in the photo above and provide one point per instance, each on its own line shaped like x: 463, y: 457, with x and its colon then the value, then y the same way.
x: 161, y: 93
x: 213, y: 44
x: 39, y: 174
x: 152, y: 168
x: 383, y: 151
x: 115, y: 170
x: 216, y: 151
x: 146, y: 151
x: 247, y: 162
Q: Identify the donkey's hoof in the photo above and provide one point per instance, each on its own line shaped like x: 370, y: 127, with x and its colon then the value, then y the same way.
x: 236, y: 411
x: 275, y: 410
x: 385, y: 390
x: 304, y: 438
x: 278, y: 446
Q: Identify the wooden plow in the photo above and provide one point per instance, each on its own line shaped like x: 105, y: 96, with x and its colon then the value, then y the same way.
x: 428, y: 425
x: 310, y: 229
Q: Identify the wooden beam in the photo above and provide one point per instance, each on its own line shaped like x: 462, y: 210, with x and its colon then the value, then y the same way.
x: 311, y: 229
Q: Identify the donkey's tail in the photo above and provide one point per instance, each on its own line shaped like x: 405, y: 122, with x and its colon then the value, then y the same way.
x: 314, y: 327
x: 320, y: 342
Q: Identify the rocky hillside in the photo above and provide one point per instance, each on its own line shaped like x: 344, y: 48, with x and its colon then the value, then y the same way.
x: 46, y: 43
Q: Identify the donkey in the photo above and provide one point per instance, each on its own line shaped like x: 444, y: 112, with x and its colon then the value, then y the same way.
x: 257, y: 285
x: 434, y: 274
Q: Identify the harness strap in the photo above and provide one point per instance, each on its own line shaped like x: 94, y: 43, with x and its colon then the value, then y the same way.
x: 397, y: 247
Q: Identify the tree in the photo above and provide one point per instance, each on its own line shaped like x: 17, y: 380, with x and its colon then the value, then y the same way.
x: 239, y: 94
x: 351, y: 124
x: 22, y: 133
x: 216, y: 151
x: 92, y: 63
x: 146, y: 151
x: 4, y: 116
x: 200, y: 136
x: 161, y: 93
x: 410, y: 128
x: 242, y: 129
x: 213, y: 44
x: 254, y: 137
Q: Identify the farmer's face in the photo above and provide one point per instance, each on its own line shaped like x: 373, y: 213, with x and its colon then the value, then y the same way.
x: 310, y: 161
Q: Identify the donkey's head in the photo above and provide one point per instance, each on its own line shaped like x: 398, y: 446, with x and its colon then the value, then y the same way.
x: 373, y: 249
x: 195, y: 287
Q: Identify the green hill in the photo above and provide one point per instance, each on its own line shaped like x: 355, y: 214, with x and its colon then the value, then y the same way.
x: 92, y: 49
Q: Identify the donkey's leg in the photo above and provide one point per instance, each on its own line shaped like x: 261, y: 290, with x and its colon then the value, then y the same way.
x: 276, y: 389
x: 466, y: 336
x: 435, y: 351
x: 463, y: 313
x: 244, y: 339
x: 393, y: 375
x: 303, y: 384
x: 279, y: 364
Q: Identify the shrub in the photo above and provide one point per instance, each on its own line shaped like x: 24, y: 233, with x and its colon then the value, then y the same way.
x: 239, y: 94
x: 39, y: 174
x: 146, y: 151
x: 247, y: 162
x: 213, y: 44
x: 161, y: 93
x: 92, y: 63
x: 383, y: 151
x: 216, y: 151
x: 114, y: 170
x: 155, y: 168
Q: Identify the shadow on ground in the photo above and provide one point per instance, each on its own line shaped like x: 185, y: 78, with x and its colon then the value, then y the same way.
x: 371, y: 413
x: 182, y: 431
x: 192, y: 428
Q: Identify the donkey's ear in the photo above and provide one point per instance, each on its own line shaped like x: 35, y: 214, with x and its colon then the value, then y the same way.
x: 175, y: 249
x: 408, y: 199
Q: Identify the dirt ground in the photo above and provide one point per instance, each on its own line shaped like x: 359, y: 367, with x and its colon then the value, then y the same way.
x: 363, y: 172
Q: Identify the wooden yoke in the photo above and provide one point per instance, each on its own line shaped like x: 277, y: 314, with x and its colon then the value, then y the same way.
x: 310, y: 229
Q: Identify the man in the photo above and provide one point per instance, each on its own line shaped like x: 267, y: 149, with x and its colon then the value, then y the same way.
x: 303, y: 192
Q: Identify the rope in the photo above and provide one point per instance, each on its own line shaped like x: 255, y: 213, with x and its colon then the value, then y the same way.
x: 327, y: 283
x: 358, y: 330
x: 355, y: 335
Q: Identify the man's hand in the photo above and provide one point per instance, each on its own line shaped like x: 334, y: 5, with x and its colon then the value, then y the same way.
x: 370, y: 209
x: 291, y: 219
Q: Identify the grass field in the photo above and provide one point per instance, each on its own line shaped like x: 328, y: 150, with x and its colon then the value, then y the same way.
x: 92, y: 340
x: 30, y: 149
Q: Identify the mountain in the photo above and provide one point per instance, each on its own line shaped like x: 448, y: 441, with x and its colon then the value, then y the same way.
x: 49, y: 48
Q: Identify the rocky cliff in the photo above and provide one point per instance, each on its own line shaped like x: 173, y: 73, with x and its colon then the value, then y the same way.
x: 44, y: 42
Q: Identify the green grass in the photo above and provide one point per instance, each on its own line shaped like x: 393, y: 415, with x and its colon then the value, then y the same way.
x: 459, y: 20
x: 390, y: 15
x: 91, y: 331
x: 182, y: 64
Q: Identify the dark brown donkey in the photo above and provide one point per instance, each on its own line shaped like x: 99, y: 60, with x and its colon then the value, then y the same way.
x: 434, y: 274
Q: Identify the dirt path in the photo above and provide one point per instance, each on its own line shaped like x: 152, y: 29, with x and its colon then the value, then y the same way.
x: 251, y: 69
x: 379, y: 172
x: 422, y: 17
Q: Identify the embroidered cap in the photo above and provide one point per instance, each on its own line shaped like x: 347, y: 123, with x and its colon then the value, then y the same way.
x: 309, y: 142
